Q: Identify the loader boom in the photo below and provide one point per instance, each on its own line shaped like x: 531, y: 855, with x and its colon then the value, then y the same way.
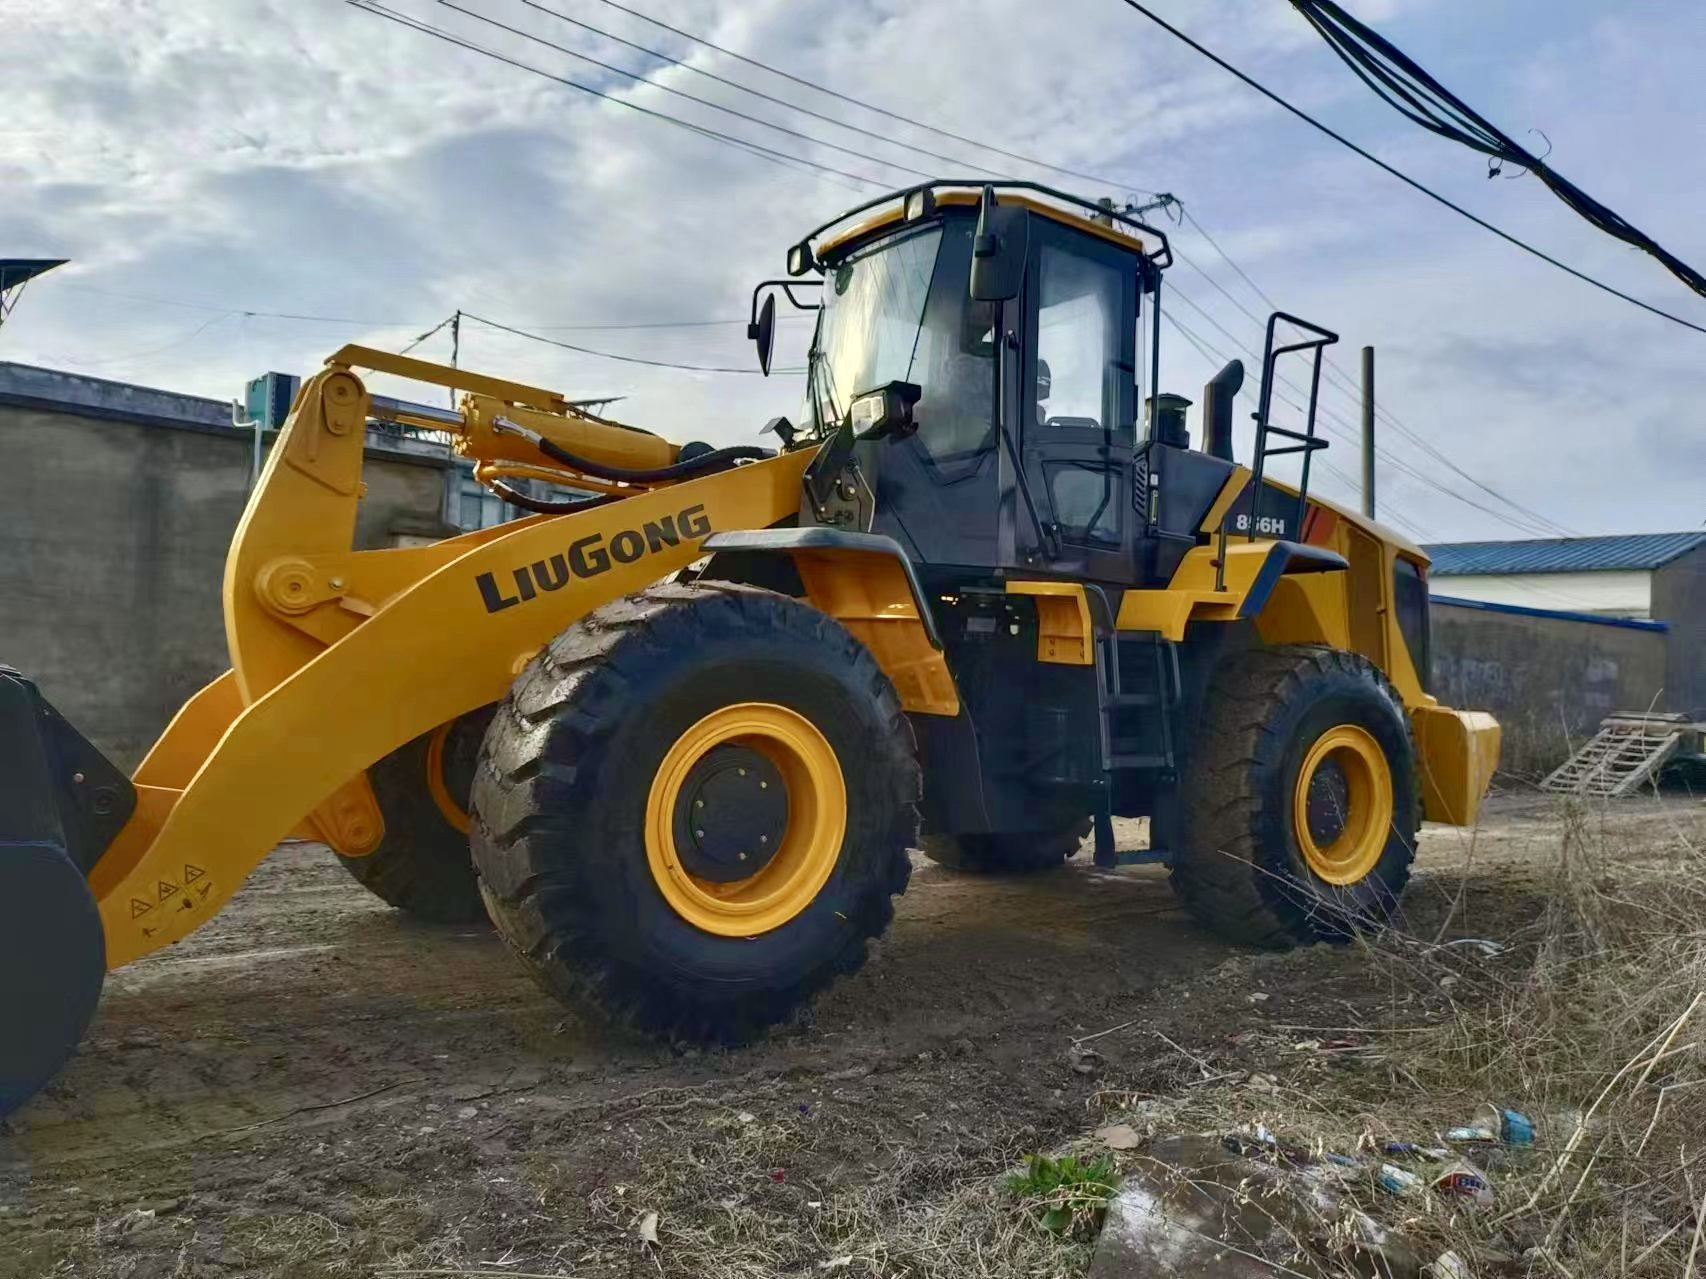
x: 341, y: 656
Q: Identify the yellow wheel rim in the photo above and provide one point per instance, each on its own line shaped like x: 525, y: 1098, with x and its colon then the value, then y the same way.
x: 1342, y: 805
x: 452, y: 811
x: 808, y: 847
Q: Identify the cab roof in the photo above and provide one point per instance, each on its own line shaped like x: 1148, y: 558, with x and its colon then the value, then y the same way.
x: 836, y: 237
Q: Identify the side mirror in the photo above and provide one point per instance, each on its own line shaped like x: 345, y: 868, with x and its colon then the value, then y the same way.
x: 999, y: 249
x: 763, y: 332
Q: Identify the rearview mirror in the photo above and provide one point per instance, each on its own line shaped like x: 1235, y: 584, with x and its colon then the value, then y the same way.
x: 999, y: 249
x: 763, y: 332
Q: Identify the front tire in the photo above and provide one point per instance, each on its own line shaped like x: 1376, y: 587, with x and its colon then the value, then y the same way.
x: 1299, y: 806
x: 693, y: 809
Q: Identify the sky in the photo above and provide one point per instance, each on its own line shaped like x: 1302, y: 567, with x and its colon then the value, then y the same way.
x: 213, y: 166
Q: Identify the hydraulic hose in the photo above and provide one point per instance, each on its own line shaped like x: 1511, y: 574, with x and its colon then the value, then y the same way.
x: 549, y: 506
x: 701, y: 464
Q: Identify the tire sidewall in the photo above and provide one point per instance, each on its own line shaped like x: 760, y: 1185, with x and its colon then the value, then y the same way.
x: 639, y: 928
x: 1291, y: 890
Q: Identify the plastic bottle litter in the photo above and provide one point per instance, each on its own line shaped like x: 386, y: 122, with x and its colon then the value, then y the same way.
x: 1516, y: 1128
x: 1465, y: 1181
x: 1398, y: 1181
x: 1471, y: 1134
x: 1448, y: 1265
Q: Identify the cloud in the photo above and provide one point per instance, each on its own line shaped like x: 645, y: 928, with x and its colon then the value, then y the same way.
x: 199, y: 159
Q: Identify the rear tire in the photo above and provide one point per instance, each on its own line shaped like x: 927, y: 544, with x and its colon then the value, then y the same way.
x: 422, y: 865
x: 1009, y: 852
x: 1269, y: 855
x: 567, y: 814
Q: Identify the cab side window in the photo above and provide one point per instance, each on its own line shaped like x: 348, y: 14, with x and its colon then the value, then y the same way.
x: 1082, y: 364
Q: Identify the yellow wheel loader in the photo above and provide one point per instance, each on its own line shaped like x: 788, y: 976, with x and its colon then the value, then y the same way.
x: 677, y: 735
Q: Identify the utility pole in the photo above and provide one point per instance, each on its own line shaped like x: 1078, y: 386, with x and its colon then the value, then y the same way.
x: 455, y: 347
x: 1368, y: 431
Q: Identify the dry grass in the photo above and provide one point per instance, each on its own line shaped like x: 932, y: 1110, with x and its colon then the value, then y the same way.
x: 1591, y: 1020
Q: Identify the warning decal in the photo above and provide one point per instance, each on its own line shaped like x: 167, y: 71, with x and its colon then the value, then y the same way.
x: 139, y: 907
x: 192, y: 873
x: 166, y: 889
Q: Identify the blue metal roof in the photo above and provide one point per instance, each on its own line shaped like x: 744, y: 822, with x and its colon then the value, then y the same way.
x: 1562, y: 554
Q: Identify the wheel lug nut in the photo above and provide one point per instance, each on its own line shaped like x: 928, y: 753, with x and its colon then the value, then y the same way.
x: 742, y: 856
x: 741, y: 771
x: 764, y: 839
x: 698, y: 834
x: 763, y: 785
x: 698, y: 803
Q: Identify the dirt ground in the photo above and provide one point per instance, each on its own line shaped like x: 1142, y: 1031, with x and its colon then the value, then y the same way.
x: 314, y: 1085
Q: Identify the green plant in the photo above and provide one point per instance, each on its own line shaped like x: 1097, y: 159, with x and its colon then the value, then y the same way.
x: 1066, y: 1194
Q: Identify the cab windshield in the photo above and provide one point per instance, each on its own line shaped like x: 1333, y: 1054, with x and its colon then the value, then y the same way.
x: 868, y: 329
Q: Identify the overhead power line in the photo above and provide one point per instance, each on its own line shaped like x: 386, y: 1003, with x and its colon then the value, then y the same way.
x: 1530, y: 520
x: 1212, y: 354
x: 679, y: 93
x: 1347, y: 432
x: 438, y: 33
x: 869, y: 106
x: 612, y: 355
x: 230, y: 308
x: 650, y: 52
x: 1403, y: 177
x: 1405, y: 86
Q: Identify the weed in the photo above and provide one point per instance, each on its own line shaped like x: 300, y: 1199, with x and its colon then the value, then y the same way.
x: 1067, y: 1194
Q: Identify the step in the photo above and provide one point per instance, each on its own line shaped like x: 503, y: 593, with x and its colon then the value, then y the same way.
x: 1138, y: 761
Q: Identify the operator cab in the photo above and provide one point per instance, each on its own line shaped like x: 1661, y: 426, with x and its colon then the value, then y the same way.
x: 981, y: 390
x: 983, y: 372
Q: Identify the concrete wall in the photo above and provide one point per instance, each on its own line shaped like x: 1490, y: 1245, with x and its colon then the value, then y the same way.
x: 116, y: 507
x: 1679, y: 599
x: 1548, y: 679
x: 1617, y: 592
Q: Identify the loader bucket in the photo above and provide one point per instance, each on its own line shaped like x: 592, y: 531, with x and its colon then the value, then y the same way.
x: 60, y: 804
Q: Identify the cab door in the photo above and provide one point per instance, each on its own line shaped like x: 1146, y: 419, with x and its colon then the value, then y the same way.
x: 1077, y: 401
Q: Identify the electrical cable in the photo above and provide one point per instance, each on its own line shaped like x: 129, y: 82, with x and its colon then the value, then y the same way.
x: 1211, y: 356
x: 611, y: 355
x: 757, y: 93
x: 1351, y: 390
x: 1532, y: 521
x: 1405, y: 86
x: 868, y: 106
x: 253, y: 313
x: 447, y: 320
x: 679, y: 93
x: 391, y: 15
x: 181, y: 340
x: 1336, y: 425
x: 1405, y: 178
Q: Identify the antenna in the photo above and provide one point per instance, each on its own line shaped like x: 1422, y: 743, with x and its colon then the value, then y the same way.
x: 15, y: 273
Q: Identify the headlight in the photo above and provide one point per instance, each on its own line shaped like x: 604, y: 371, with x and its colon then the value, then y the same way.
x: 920, y: 204
x: 886, y: 411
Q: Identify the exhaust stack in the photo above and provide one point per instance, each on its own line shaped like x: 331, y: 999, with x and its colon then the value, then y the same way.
x: 1217, y: 398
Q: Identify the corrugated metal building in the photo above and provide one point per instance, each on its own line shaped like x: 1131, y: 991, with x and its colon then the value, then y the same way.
x: 1554, y: 634
x: 1614, y: 575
